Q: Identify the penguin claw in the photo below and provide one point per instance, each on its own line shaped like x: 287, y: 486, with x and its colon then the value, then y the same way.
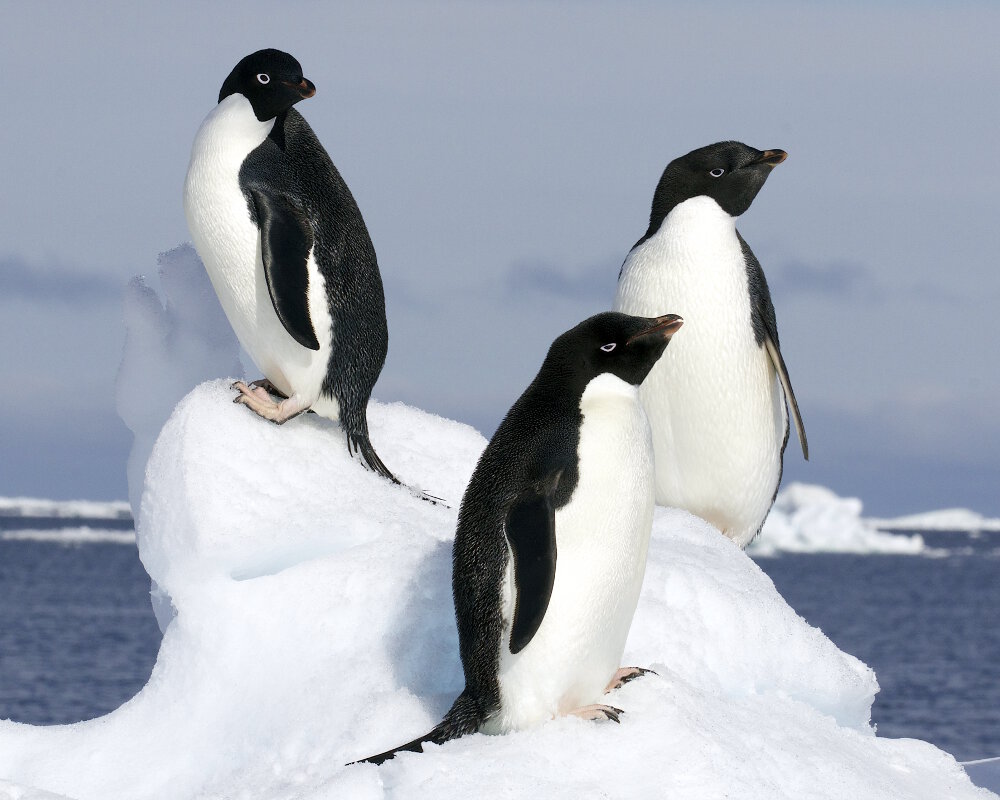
x: 625, y: 675
x: 599, y: 711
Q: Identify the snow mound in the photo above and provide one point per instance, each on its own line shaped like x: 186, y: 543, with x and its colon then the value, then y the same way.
x: 314, y: 626
x: 953, y: 520
x: 59, y: 509
x: 812, y: 519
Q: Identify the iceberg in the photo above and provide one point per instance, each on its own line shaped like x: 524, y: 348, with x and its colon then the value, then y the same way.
x: 310, y: 624
x: 813, y: 519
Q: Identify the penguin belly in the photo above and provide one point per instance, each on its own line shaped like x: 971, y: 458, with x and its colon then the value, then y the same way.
x: 714, y: 403
x: 602, y: 535
x: 229, y: 245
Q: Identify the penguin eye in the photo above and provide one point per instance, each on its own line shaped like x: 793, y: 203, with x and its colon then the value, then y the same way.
x: 717, y: 172
x: 607, y: 348
x: 264, y: 78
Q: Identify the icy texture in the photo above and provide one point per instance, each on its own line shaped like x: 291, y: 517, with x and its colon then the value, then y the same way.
x: 812, y: 519
x: 314, y: 626
x: 38, y: 507
x: 950, y: 519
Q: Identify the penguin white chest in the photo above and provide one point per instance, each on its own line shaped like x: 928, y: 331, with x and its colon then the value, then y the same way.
x: 714, y: 404
x: 602, y: 535
x: 229, y: 245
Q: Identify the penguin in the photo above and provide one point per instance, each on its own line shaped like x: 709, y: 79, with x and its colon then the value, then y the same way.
x: 288, y: 253
x: 552, y: 534
x: 717, y: 399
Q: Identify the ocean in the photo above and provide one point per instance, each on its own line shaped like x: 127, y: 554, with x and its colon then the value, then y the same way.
x: 78, y: 637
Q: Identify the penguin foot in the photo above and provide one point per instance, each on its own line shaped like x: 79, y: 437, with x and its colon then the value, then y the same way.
x: 256, y: 398
x: 598, y: 711
x: 267, y: 386
x: 624, y: 675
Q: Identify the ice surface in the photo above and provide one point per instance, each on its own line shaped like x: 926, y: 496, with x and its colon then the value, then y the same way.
x: 958, y: 520
x: 812, y: 519
x: 314, y: 626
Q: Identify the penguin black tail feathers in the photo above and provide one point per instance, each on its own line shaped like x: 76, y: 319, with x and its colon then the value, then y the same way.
x: 360, y: 444
x: 463, y: 717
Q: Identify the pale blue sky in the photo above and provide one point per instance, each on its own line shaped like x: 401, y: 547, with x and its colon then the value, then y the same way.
x: 504, y: 156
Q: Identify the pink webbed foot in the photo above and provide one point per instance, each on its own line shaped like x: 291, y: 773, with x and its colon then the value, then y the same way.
x: 257, y: 399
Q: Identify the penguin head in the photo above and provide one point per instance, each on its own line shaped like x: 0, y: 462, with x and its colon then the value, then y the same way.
x: 731, y: 173
x: 613, y: 343
x: 271, y: 80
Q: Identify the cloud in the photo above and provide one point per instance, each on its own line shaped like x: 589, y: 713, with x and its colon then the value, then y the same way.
x: 56, y: 283
x: 843, y: 280
x: 595, y: 282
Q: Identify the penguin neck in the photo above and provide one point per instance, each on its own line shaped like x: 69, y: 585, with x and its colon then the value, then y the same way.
x: 606, y: 388
x: 231, y: 130
x: 697, y: 214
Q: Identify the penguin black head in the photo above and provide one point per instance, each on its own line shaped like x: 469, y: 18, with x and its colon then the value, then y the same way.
x: 614, y: 343
x: 731, y: 173
x: 271, y: 80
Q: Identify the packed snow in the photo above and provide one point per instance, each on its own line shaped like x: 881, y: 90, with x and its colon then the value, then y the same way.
x: 952, y: 520
x: 59, y: 509
x: 312, y: 625
x: 812, y: 519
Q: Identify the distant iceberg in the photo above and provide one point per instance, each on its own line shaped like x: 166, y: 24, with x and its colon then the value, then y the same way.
x: 812, y: 519
x: 958, y: 520
x: 87, y: 509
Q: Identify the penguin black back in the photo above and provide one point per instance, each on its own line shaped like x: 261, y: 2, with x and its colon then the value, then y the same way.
x: 293, y: 161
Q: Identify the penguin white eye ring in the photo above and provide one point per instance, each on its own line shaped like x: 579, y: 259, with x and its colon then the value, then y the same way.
x: 718, y: 172
x: 607, y: 348
x: 264, y: 78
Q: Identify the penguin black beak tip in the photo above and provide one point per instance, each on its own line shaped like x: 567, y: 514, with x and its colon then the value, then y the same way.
x: 772, y: 157
x: 665, y: 327
x: 305, y: 87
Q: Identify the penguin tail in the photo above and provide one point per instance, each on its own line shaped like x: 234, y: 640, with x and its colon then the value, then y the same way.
x: 463, y: 717
x: 360, y: 444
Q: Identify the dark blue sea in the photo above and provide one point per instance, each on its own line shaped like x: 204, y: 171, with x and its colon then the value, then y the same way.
x: 78, y: 637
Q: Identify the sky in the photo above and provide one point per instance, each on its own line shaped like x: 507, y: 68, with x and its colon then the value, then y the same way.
x: 504, y: 156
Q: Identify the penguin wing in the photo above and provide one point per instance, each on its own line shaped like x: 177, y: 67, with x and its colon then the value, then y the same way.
x: 765, y: 326
x: 285, y: 242
x: 530, y: 528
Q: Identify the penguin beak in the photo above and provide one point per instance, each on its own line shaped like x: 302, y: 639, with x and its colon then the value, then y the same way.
x: 306, y: 88
x: 772, y: 157
x: 664, y: 327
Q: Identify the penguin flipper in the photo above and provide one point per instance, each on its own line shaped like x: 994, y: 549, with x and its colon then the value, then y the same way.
x: 530, y: 528
x: 765, y: 325
x: 285, y: 242
x: 786, y: 386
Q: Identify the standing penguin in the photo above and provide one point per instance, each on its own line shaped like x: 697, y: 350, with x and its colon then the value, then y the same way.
x: 288, y: 252
x: 718, y: 416
x: 552, y: 536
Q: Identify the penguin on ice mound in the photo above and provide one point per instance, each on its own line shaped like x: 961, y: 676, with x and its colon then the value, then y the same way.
x: 718, y: 415
x: 552, y: 535
x: 288, y: 252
